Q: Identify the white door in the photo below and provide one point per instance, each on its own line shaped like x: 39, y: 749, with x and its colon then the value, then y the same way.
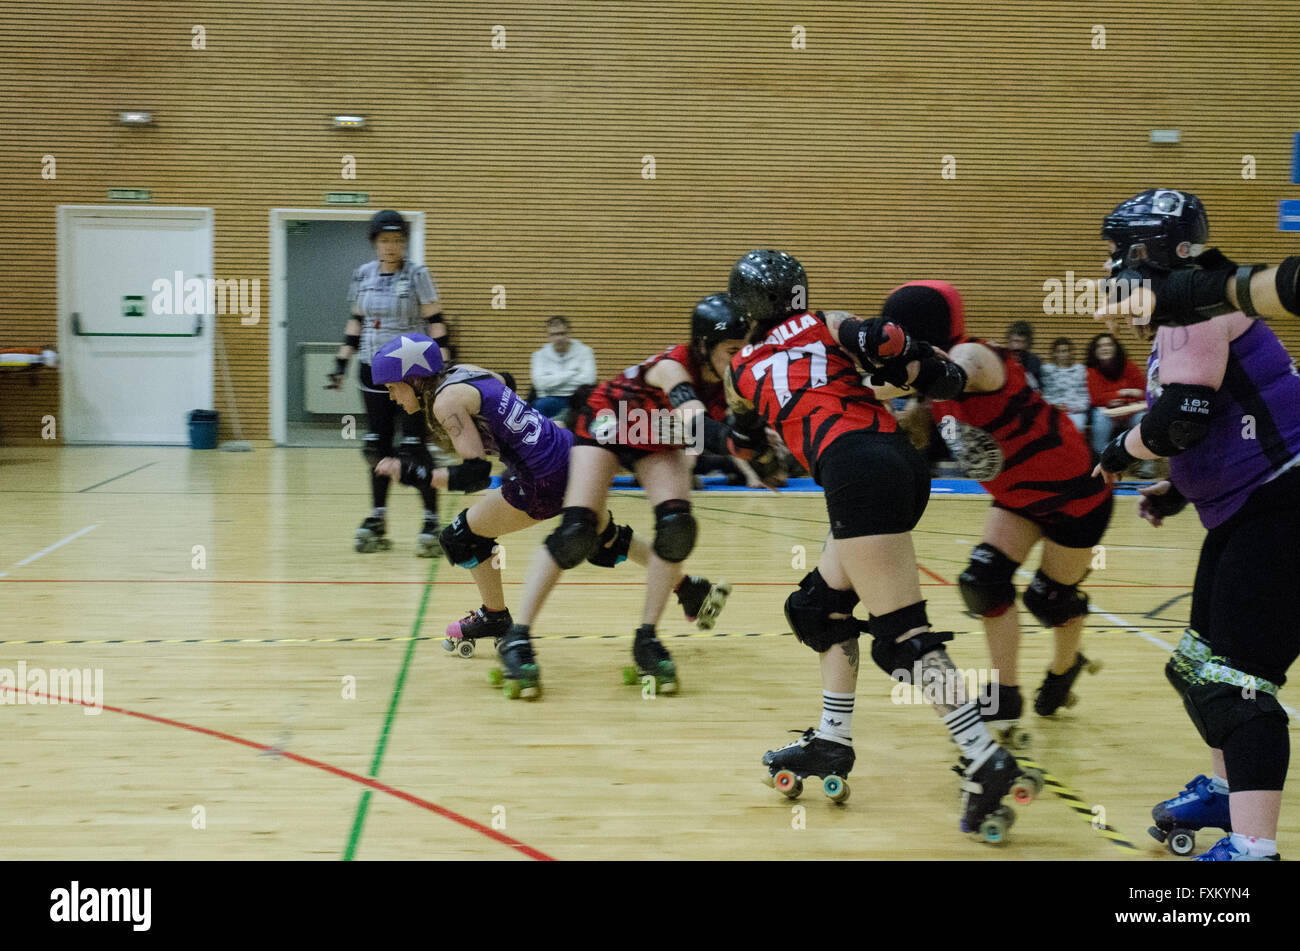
x: 135, y: 332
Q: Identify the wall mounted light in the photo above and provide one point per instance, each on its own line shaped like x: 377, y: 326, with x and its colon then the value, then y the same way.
x: 1165, y: 137
x: 349, y: 122
x: 135, y: 118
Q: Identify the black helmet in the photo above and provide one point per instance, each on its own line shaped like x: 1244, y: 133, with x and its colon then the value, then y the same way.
x: 715, y: 320
x: 768, y: 286
x: 388, y: 220
x: 1157, y: 221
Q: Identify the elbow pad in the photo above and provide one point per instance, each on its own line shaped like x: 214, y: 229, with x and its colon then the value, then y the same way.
x: 940, y: 379
x: 1178, y: 420
x: 1287, y: 282
x: 472, y: 475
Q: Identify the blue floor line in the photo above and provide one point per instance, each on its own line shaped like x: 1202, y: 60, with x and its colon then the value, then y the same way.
x: 805, y: 484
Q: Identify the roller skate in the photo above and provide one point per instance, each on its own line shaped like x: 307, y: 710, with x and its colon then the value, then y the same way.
x: 1055, y: 691
x: 1198, y: 806
x: 983, y: 787
x: 1001, y: 708
x: 370, y: 536
x: 518, y: 675
x: 701, y: 600
x: 652, y: 660
x: 1225, y: 851
x: 810, y: 755
x: 426, y: 543
x: 462, y: 634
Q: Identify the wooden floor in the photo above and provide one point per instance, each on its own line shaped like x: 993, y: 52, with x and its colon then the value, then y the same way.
x: 227, y: 730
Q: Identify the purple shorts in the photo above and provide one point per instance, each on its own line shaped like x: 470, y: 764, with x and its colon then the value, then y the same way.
x: 539, y: 498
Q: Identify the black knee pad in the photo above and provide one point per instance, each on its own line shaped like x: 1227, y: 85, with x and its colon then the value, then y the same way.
x: 1218, y: 709
x: 986, y: 585
x: 462, y: 546
x: 898, y: 658
x: 1187, y: 657
x: 809, y: 611
x: 370, y: 449
x: 575, y: 538
x: 674, y: 530
x: 416, y: 452
x: 612, y: 545
x: 1053, y: 603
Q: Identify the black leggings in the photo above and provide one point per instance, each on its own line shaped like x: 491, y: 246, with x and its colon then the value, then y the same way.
x: 381, y: 419
x: 1244, y: 604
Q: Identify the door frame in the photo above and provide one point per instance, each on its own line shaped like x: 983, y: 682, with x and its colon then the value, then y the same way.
x: 279, y: 274
x: 65, y: 216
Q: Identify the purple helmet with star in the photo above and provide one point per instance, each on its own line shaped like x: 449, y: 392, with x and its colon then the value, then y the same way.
x: 404, y: 358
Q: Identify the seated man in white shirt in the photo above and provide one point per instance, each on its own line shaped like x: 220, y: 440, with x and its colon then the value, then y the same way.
x: 559, y: 368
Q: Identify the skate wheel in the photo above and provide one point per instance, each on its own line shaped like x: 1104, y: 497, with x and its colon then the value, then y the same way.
x: 466, y: 649
x: 1070, y: 700
x: 511, y: 689
x: 494, y: 677
x: 384, y: 544
x: 1007, y: 814
x: 767, y: 779
x: 665, y: 686
x: 993, y: 829
x: 1094, y: 666
x: 1020, y: 739
x: 1023, y: 792
x: 630, y: 676
x: 1182, y: 842
x: 788, y: 784
x: 1157, y: 833
x: 835, y: 788
x: 449, y: 645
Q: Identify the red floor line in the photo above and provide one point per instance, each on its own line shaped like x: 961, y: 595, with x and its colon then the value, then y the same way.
x: 317, y: 764
x: 939, y: 580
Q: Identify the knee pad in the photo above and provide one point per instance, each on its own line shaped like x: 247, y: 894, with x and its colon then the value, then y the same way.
x: 370, y: 449
x: 1186, y: 659
x: 986, y: 585
x: 575, y: 538
x: 416, y: 452
x: 809, y: 611
x: 462, y: 546
x: 1219, y: 709
x: 1053, y: 603
x: 674, y: 530
x: 612, y: 545
x: 899, y: 658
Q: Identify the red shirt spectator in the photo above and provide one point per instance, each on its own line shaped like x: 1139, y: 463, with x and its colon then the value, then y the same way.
x: 1113, y: 379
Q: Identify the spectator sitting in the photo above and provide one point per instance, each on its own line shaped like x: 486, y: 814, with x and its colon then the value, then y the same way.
x: 1065, y: 384
x: 1020, y: 337
x: 1114, y: 383
x: 559, y: 368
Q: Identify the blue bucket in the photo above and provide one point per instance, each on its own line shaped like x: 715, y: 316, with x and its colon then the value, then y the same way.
x: 203, y: 429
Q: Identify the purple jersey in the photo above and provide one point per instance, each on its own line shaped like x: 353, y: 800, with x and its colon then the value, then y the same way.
x: 521, y: 437
x: 1254, y: 427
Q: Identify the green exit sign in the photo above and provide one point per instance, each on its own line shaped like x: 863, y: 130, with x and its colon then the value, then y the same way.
x: 347, y: 198
x: 129, y: 194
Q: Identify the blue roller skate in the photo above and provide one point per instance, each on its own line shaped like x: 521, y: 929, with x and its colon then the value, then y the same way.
x: 1225, y: 851
x: 1197, y: 807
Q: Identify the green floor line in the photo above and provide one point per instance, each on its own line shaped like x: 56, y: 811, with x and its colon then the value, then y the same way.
x: 363, y: 807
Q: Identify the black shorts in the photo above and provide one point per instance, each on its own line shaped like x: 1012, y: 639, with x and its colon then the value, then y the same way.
x: 1242, y: 601
x: 875, y: 484
x: 1078, y: 531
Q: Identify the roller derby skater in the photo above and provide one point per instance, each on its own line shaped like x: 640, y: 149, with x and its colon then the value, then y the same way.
x: 389, y: 296
x: 810, y: 756
x: 798, y: 375
x: 1030, y: 457
x: 1203, y: 380
x: 1202, y: 804
x: 644, y: 420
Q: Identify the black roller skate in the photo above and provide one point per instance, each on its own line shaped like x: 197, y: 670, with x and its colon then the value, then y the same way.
x: 982, y: 789
x: 426, y: 543
x: 1001, y: 708
x: 518, y: 675
x: 652, y: 660
x: 810, y: 755
x: 1055, y: 691
x: 462, y: 634
x: 701, y: 600
x: 1198, y: 806
x: 370, y: 536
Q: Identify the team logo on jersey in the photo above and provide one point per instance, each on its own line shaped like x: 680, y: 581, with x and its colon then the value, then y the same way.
x: 974, y: 450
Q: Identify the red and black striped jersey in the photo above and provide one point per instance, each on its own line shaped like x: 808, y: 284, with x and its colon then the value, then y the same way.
x: 806, y: 388
x: 1021, y: 448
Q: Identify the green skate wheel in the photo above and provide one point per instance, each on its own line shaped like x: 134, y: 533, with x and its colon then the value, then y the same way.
x: 511, y: 689
x: 1182, y: 841
x: 630, y: 676
x: 465, y: 649
x: 788, y: 784
x: 494, y: 677
x: 835, y: 788
x: 993, y: 829
x: 665, y: 686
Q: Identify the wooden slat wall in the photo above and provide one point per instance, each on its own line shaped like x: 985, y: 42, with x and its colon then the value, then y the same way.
x: 529, y: 159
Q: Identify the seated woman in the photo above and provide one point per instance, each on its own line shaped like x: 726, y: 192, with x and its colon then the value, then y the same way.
x: 1116, y: 387
x: 1065, y: 384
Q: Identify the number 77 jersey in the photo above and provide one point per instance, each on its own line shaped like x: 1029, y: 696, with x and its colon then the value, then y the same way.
x: 805, y: 387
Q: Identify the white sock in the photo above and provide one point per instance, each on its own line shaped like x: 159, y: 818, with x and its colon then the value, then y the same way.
x: 837, y: 718
x: 379, y: 511
x: 1219, y: 784
x: 970, y: 734
x: 1254, y: 846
